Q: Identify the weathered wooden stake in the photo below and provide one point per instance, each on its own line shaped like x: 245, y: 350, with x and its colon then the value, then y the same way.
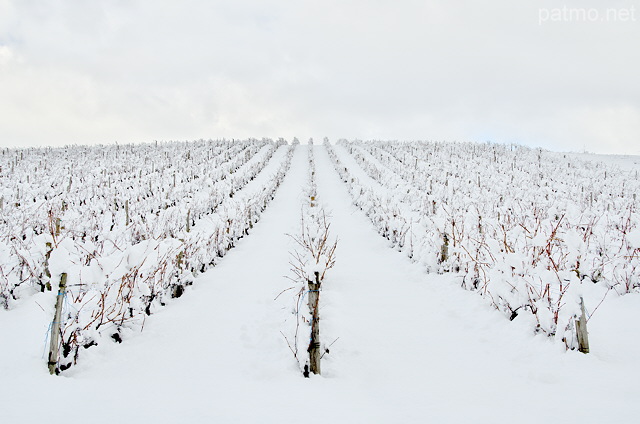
x: 314, y: 343
x: 126, y: 211
x: 47, y: 255
x: 444, y: 249
x: 581, y: 330
x: 188, y: 220
x: 55, y: 325
x: 180, y: 259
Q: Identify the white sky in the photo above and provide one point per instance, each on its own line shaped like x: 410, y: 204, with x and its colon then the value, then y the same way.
x: 78, y: 71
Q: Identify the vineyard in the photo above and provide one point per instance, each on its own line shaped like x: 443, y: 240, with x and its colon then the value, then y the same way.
x: 130, y: 235
x: 536, y: 233
x: 253, y: 261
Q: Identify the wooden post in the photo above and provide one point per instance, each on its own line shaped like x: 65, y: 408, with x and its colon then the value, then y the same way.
x: 188, y: 219
x: 55, y: 325
x: 314, y: 343
x: 46, y: 264
x: 126, y: 211
x: 444, y: 249
x: 180, y: 259
x: 581, y: 330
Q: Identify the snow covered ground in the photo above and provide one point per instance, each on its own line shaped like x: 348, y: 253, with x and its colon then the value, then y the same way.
x: 411, y: 347
x: 626, y: 162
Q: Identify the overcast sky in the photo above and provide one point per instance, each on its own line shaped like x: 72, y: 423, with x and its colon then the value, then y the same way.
x: 524, y: 71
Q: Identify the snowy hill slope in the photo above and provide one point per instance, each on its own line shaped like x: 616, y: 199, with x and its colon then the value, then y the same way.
x: 410, y: 346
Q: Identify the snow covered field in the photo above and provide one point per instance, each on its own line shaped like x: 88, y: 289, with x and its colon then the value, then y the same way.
x: 409, y: 346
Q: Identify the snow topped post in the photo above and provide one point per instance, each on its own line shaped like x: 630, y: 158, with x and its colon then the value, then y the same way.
x: 55, y: 325
x: 314, y: 341
x: 581, y: 330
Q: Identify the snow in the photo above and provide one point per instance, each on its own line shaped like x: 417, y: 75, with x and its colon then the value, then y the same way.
x: 410, y: 347
x: 634, y: 238
x: 625, y: 162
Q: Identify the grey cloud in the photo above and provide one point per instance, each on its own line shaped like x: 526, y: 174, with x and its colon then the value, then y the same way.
x: 142, y: 70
